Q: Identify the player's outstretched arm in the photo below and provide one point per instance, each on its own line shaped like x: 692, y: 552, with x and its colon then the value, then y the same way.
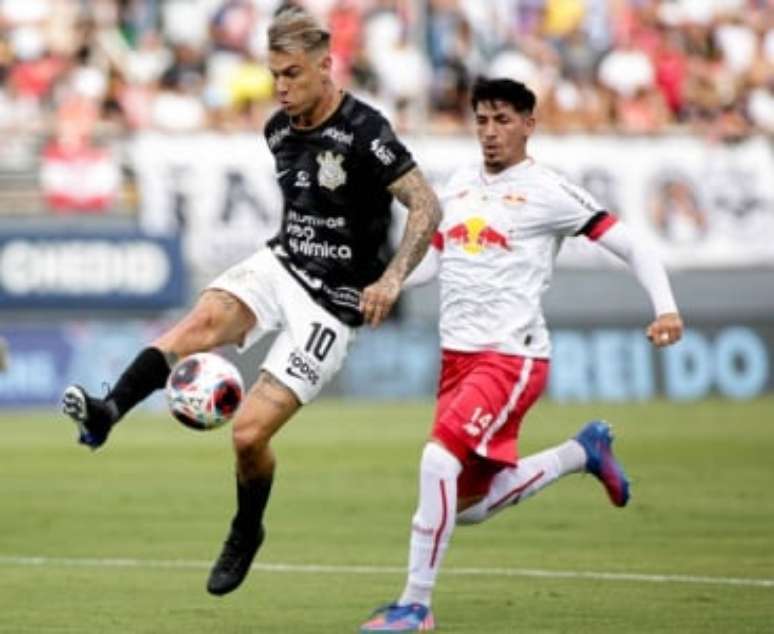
x: 424, y: 214
x: 667, y: 328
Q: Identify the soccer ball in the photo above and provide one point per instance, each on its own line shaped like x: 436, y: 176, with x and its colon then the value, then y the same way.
x: 204, y: 390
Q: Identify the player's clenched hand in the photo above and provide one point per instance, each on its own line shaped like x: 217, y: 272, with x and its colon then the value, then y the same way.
x: 378, y: 298
x: 665, y: 330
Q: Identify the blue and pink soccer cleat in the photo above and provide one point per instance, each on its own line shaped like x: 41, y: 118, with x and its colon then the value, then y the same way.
x: 596, y: 439
x: 413, y: 617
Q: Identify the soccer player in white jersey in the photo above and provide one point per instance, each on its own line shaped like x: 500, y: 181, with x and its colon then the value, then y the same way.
x: 502, y: 226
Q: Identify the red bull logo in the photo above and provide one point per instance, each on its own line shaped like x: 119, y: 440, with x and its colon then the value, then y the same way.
x: 475, y: 236
x: 514, y: 199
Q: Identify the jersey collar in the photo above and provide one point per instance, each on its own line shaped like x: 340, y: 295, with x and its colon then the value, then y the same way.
x: 516, y: 168
x: 343, y: 103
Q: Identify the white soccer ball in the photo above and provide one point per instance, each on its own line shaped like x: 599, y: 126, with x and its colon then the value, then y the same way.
x: 204, y: 391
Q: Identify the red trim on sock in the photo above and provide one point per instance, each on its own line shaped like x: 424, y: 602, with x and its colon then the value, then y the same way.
x: 444, y: 513
x: 517, y: 491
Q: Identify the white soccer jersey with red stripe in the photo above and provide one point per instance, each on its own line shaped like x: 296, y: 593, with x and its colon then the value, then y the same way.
x: 498, y: 240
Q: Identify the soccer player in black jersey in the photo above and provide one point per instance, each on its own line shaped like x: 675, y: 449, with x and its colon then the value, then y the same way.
x: 339, y: 165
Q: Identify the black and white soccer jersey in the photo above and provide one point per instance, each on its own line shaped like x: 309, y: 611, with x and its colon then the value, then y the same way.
x: 336, y: 215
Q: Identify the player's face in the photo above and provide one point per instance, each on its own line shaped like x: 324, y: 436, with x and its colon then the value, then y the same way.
x: 502, y: 133
x: 299, y: 79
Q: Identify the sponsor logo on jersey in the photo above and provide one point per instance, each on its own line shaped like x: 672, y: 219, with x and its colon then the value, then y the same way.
x: 345, y: 138
x: 299, y: 367
x: 474, y: 235
x: 344, y: 296
x: 331, y: 174
x: 382, y: 152
x: 312, y: 282
x: 303, y: 180
x: 330, y: 222
x: 449, y: 195
x: 514, y: 199
x: 320, y: 249
x: 276, y: 137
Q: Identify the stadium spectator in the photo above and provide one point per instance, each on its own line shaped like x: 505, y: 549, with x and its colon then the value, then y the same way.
x: 701, y: 67
x: 634, y: 46
x: 494, y: 266
x: 345, y: 23
x: 675, y: 211
x: 454, y: 59
x: 626, y: 70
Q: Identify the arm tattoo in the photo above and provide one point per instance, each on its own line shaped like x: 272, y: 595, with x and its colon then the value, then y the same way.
x: 424, y: 215
x: 226, y: 299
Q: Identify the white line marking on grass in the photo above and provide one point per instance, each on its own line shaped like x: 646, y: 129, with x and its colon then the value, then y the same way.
x: 181, y: 564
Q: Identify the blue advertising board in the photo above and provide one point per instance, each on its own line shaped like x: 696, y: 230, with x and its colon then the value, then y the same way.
x: 597, y: 364
x: 617, y: 364
x: 401, y: 361
x: 44, y: 359
x: 90, y: 270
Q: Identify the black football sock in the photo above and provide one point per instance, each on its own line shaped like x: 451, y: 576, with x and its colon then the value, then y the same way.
x: 252, y: 497
x: 146, y: 374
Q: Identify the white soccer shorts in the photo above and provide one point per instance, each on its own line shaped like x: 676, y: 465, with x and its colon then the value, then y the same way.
x: 311, y: 345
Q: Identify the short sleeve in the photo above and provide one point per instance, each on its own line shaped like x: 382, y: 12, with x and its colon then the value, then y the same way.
x: 383, y: 153
x: 275, y: 130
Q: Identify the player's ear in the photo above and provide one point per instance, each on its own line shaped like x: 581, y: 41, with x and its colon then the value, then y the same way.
x: 529, y: 124
x: 326, y: 63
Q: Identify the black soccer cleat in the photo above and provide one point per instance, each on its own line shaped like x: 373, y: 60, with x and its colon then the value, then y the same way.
x: 91, y: 415
x: 233, y: 564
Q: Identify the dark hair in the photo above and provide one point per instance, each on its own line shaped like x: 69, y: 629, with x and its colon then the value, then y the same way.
x: 513, y: 92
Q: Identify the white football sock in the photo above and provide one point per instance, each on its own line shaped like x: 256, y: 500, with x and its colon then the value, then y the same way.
x: 433, y: 522
x: 532, y: 474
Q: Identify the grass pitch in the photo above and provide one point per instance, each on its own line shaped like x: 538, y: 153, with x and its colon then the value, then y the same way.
x: 123, y: 537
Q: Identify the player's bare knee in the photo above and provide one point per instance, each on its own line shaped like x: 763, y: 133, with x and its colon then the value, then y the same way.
x: 254, y: 458
x: 249, y: 438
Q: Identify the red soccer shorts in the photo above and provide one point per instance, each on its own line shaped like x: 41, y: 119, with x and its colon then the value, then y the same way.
x: 482, y: 399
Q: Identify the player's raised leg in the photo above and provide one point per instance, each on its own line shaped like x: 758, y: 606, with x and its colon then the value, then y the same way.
x: 217, y: 319
x: 268, y: 405
x: 590, y: 451
x: 532, y: 474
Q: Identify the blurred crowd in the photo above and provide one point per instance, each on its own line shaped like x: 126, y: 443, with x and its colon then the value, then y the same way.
x: 78, y: 68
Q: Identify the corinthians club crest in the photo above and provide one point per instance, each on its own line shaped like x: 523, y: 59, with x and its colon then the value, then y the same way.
x: 331, y: 173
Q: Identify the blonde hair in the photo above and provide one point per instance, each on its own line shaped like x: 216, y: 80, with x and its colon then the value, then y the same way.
x: 293, y: 30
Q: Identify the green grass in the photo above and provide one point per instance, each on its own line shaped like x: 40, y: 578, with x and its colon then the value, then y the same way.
x: 703, y: 505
